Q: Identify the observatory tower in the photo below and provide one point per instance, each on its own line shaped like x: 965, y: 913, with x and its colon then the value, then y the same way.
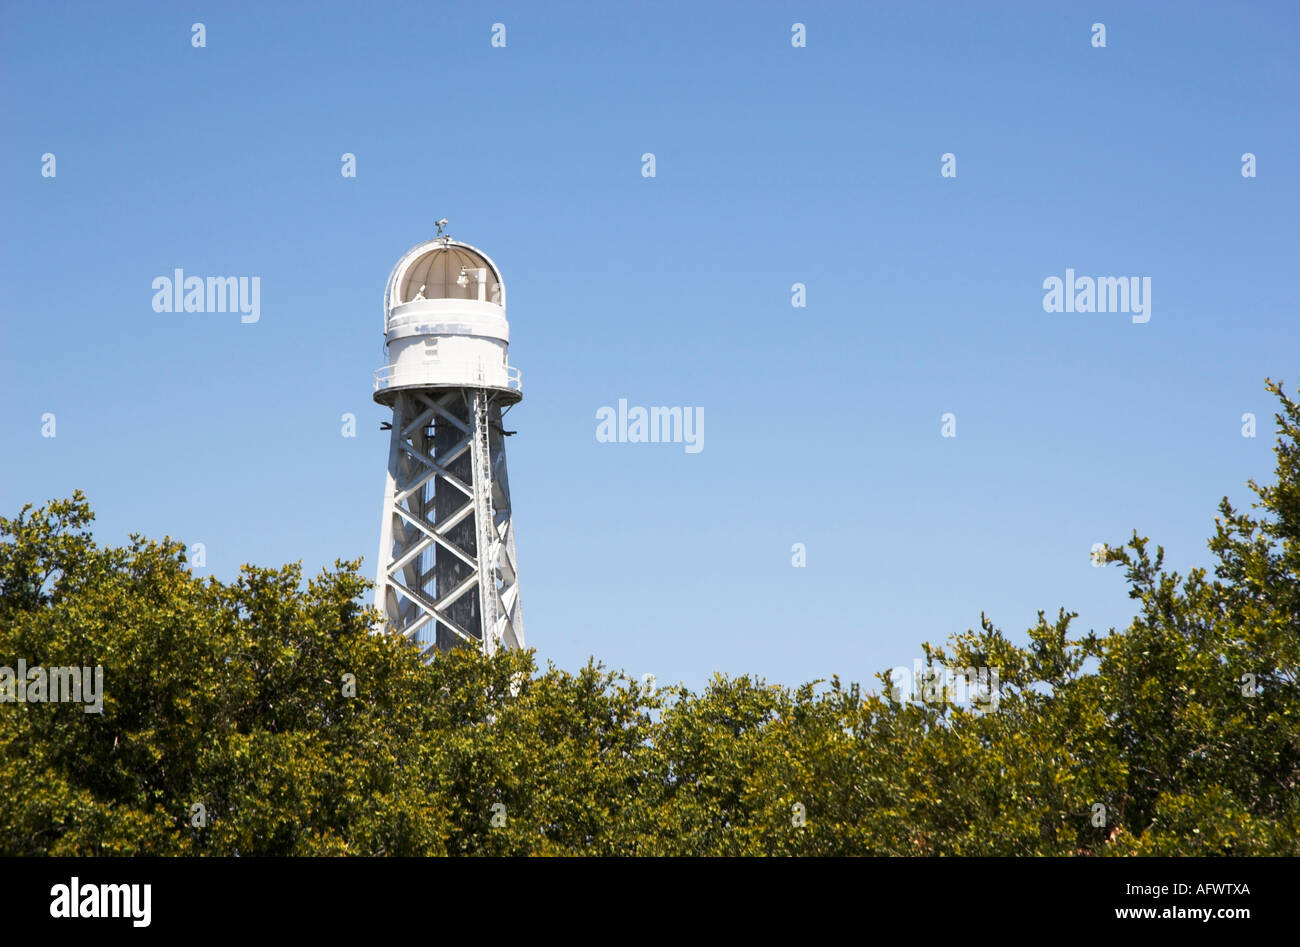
x: 447, y: 567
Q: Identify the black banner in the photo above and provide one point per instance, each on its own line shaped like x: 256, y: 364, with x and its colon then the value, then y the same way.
x: 345, y: 896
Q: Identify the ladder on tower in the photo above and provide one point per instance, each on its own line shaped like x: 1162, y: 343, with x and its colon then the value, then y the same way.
x: 485, y: 526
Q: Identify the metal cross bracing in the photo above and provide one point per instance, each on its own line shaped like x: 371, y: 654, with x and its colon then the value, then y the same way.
x: 448, y: 574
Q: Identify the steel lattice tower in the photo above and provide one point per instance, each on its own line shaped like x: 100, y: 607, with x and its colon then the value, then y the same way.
x: 447, y: 568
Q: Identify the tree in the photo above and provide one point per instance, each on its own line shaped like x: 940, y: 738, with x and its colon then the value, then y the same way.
x: 264, y: 716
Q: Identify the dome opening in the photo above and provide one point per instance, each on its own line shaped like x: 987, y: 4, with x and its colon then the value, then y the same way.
x: 451, y: 272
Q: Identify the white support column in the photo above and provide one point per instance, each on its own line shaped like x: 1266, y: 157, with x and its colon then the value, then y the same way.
x: 426, y: 564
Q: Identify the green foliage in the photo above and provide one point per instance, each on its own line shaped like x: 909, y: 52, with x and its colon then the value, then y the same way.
x: 270, y: 704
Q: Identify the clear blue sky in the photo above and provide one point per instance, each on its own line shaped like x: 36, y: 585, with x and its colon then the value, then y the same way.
x: 775, y: 165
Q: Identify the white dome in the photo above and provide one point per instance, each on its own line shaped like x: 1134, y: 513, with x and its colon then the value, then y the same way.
x: 445, y: 322
x: 444, y: 269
